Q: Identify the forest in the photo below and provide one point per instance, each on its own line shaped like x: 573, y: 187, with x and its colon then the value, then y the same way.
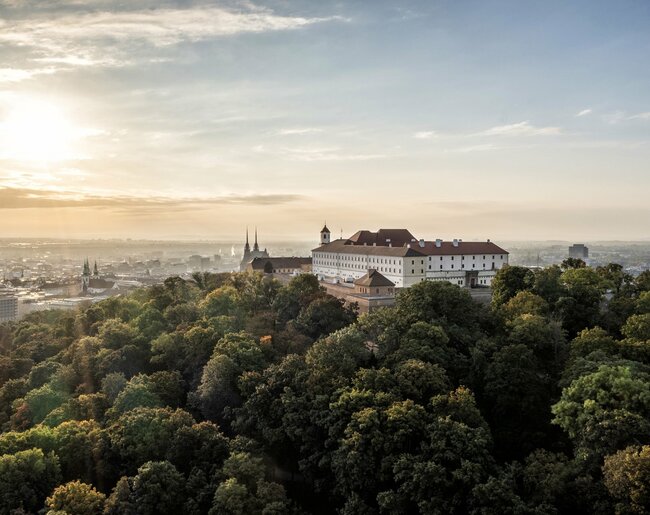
x: 237, y: 394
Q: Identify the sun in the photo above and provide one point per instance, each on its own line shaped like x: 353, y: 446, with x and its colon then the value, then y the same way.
x: 37, y: 131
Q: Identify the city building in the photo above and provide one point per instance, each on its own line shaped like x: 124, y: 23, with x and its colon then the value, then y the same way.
x: 406, y: 260
x: 280, y: 265
x: 578, y: 251
x: 8, y: 307
x: 94, y: 284
x: 249, y: 254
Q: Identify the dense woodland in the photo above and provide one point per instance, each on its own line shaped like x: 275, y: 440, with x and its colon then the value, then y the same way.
x: 234, y: 394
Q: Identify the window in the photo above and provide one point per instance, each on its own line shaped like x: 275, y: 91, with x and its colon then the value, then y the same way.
x: 440, y: 267
x: 463, y: 266
x: 412, y: 271
x: 452, y: 266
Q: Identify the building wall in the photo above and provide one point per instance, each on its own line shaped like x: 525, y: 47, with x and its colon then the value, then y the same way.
x: 407, y: 271
x: 8, y: 308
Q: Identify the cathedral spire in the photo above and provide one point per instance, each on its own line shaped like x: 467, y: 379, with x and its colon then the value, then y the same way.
x: 247, y: 247
x: 256, y: 246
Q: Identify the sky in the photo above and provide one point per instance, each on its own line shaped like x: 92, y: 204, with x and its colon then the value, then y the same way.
x: 183, y: 119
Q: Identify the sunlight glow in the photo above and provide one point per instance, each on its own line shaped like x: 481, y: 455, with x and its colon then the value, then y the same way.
x: 38, y: 131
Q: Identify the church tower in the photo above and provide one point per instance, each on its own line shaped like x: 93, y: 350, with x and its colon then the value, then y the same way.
x: 324, y: 235
x: 85, y: 277
x: 95, y: 270
x: 247, y: 247
x: 256, y: 247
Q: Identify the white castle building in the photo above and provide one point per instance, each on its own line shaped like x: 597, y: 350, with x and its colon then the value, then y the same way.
x: 405, y: 260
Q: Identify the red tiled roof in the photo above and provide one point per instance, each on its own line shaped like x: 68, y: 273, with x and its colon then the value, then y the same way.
x: 465, y: 248
x: 383, y: 237
x: 373, y: 279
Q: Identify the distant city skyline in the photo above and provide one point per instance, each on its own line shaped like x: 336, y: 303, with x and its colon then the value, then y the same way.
x: 191, y: 119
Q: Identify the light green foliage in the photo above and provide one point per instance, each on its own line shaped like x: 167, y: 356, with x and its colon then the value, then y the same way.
x: 637, y: 327
x: 524, y: 303
x: 76, y: 498
x: 605, y: 410
x: 26, y: 478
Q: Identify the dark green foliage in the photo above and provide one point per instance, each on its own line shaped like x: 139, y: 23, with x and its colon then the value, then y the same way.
x: 234, y: 394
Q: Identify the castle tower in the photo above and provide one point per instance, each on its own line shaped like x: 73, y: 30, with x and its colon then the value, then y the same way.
x: 324, y: 235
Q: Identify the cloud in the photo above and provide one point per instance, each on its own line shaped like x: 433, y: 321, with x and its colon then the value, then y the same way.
x: 114, y: 38
x: 475, y: 148
x: 425, y: 135
x: 299, y: 132
x: 20, y: 74
x: 310, y: 154
x: 521, y: 129
x: 640, y: 116
x: 25, y: 198
x: 585, y: 112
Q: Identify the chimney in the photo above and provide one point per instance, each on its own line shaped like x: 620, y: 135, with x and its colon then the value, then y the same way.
x: 438, y: 243
x: 488, y: 240
x: 455, y: 242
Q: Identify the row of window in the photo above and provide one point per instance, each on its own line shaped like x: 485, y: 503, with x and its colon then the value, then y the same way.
x: 462, y: 258
x: 463, y: 266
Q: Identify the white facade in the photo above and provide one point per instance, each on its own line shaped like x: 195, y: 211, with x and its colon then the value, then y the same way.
x: 405, y: 266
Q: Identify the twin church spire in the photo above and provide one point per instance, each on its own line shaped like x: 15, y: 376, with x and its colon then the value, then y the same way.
x: 247, y: 247
x: 249, y: 254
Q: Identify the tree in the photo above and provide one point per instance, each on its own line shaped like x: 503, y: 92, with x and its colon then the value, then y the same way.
x: 548, y: 284
x: 245, y: 491
x: 637, y: 327
x: 299, y: 292
x: 145, y: 434
x: 158, y: 488
x: 605, y: 410
x: 76, y: 498
x: 518, y: 396
x: 573, y: 263
x: 524, y: 303
x: 508, y: 281
x: 325, y: 315
x: 627, y: 477
x: 580, y: 306
x: 233, y: 354
x: 26, y: 478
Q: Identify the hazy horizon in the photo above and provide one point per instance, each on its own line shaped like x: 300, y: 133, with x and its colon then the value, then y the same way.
x: 188, y: 119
